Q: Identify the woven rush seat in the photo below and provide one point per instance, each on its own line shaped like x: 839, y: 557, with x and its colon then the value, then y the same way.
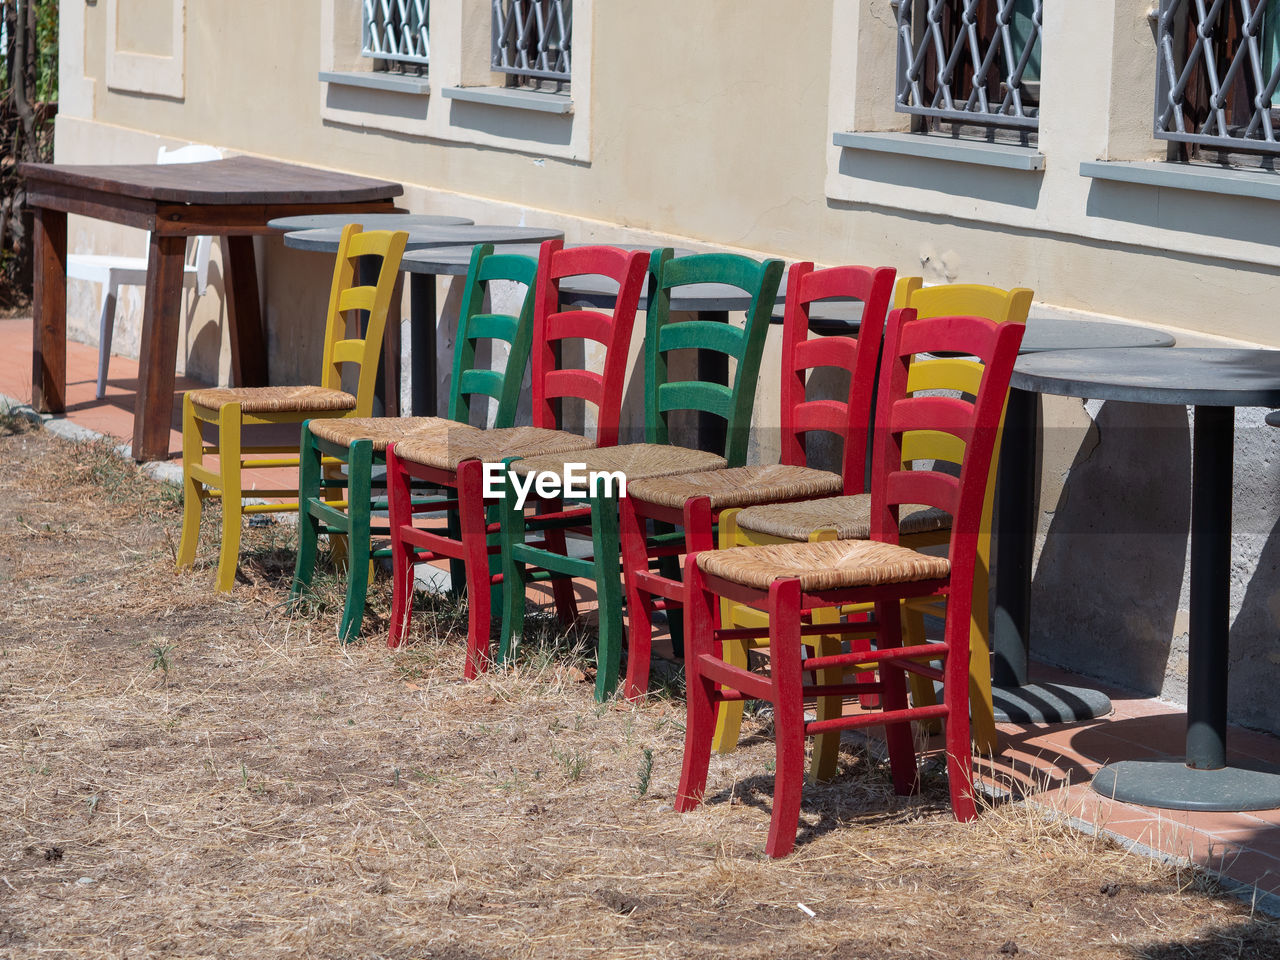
x: 738, y: 486
x: 849, y: 516
x: 275, y: 399
x: 827, y: 565
x: 634, y: 460
x: 491, y: 446
x: 384, y: 431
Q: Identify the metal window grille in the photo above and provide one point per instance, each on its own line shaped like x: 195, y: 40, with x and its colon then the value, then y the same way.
x: 396, y: 31
x: 970, y: 61
x: 1218, y: 69
x: 532, y: 39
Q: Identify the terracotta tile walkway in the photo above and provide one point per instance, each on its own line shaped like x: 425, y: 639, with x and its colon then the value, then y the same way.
x: 1050, y: 764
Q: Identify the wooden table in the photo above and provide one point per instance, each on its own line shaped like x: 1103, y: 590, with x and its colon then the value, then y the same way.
x: 233, y: 198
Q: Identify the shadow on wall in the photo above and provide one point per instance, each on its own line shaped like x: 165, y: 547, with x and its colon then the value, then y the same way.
x: 991, y: 184
x: 204, y: 337
x: 1204, y: 214
x: 1107, y: 585
x: 1255, y: 652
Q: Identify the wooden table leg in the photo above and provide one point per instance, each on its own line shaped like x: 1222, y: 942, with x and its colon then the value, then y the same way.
x: 158, y: 354
x: 49, y: 313
x: 244, y: 314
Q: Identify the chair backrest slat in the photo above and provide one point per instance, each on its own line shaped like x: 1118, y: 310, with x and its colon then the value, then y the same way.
x: 580, y: 384
x: 702, y: 335
x: 357, y: 298
x: 848, y: 420
x: 697, y: 395
x: 963, y: 299
x: 580, y: 325
x: 553, y: 379
x: 825, y: 416
x: 945, y: 373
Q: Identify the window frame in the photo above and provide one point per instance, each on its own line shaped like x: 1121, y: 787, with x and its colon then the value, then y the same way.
x: 1191, y: 74
x: 930, y: 30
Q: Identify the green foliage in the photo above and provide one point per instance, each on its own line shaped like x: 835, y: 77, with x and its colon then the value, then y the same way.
x: 645, y: 773
x: 27, y: 109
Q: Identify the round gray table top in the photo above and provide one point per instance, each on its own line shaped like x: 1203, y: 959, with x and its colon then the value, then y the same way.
x: 692, y: 297
x: 326, y: 240
x: 1044, y: 334
x: 453, y: 261
x: 1177, y: 375
x: 370, y: 221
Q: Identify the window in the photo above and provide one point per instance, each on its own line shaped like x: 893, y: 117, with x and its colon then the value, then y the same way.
x: 532, y: 41
x: 964, y: 63
x: 1218, y: 69
x: 395, y: 34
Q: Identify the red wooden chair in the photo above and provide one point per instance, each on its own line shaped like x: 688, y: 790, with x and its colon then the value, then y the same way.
x: 790, y: 580
x: 694, y: 501
x: 456, y: 458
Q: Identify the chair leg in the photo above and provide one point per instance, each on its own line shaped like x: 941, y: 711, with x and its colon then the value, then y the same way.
x: 400, y: 507
x: 106, y: 326
x: 955, y: 694
x: 513, y: 586
x: 359, y: 508
x: 785, y: 654
x: 457, y: 568
x: 923, y: 693
x: 700, y: 703
x: 898, y: 736
x: 336, y: 492
x: 193, y: 492
x: 561, y: 589
x: 309, y: 472
x: 733, y: 652
x: 232, y: 506
x: 606, y: 549
x: 981, y: 705
x: 635, y: 560
x: 729, y: 716
x: 826, y: 746
x: 475, y: 544
x: 669, y: 567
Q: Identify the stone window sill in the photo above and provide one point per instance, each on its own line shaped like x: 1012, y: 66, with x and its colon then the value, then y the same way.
x: 1256, y: 184
x: 513, y: 98
x: 1002, y: 155
x: 394, y: 82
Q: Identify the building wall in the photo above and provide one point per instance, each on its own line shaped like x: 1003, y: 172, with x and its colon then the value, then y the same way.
x: 709, y: 125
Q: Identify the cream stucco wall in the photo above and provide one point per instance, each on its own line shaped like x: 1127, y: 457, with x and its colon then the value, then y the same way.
x: 709, y: 125
x: 729, y: 143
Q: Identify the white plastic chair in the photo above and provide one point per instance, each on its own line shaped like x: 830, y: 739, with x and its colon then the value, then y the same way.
x: 114, y: 272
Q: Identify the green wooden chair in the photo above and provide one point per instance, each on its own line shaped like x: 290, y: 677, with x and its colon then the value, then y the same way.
x: 654, y: 458
x: 360, y: 443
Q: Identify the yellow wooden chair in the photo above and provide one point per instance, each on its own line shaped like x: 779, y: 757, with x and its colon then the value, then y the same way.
x: 230, y: 409
x: 849, y: 518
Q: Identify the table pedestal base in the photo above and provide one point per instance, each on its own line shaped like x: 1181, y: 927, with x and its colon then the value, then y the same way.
x: 1172, y: 785
x: 1048, y: 703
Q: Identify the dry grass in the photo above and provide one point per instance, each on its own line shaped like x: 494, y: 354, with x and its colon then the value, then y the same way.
x: 192, y: 775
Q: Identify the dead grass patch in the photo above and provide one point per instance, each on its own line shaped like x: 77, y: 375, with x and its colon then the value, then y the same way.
x: 193, y: 775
